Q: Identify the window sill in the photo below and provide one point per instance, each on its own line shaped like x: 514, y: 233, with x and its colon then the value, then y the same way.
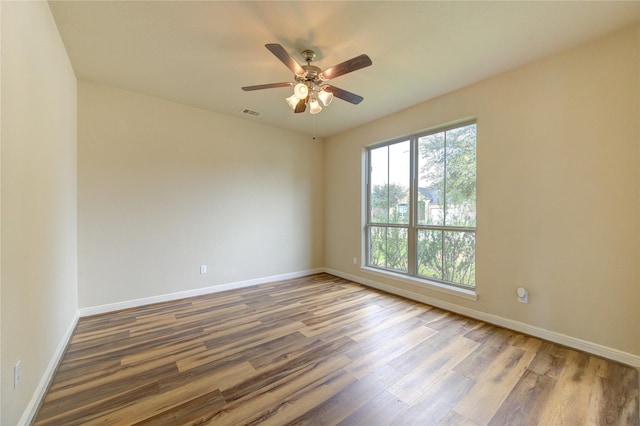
x: 468, y: 294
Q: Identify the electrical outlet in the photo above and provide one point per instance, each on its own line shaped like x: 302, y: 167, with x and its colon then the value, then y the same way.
x: 355, y: 260
x: 203, y: 269
x: 17, y: 374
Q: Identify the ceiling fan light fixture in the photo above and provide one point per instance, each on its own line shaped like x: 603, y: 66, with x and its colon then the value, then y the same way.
x: 325, y: 97
x: 309, y: 87
x: 292, y: 101
x: 314, y: 106
x: 301, y: 91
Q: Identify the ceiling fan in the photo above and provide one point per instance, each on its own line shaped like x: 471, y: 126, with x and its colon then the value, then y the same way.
x: 309, y: 85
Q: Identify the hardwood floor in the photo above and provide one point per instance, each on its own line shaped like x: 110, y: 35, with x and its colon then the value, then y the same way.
x: 323, y: 350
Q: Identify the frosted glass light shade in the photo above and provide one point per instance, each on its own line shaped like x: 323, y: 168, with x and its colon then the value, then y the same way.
x: 314, y: 106
x: 301, y: 90
x: 292, y: 101
x: 325, y: 97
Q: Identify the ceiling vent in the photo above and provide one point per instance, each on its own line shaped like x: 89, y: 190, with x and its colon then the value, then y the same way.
x: 250, y: 112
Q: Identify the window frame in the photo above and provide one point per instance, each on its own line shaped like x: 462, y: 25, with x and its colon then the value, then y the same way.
x: 412, y: 226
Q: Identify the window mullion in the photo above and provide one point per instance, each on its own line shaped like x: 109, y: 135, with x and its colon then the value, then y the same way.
x: 369, y: 219
x: 388, y: 184
x: 445, y: 206
x: 412, y: 245
x: 386, y: 230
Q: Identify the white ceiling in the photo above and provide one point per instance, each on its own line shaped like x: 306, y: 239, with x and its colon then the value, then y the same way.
x: 201, y: 53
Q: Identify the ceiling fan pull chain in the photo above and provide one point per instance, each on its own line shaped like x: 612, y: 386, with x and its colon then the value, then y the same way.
x: 313, y: 120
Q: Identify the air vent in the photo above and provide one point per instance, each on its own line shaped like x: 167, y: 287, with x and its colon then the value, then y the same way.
x: 250, y: 112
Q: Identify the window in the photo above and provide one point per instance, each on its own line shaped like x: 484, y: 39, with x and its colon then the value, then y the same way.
x: 421, y: 206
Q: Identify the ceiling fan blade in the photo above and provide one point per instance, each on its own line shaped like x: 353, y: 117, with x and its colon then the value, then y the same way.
x: 301, y: 105
x: 345, y: 67
x: 286, y: 59
x: 344, y: 94
x: 266, y: 86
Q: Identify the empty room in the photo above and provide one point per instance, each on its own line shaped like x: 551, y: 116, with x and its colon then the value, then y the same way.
x: 351, y: 212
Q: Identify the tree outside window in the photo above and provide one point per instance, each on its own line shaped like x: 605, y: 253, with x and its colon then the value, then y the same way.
x: 424, y: 227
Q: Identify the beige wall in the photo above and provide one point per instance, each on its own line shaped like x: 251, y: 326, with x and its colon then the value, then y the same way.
x: 165, y: 188
x: 558, y: 191
x: 39, y: 237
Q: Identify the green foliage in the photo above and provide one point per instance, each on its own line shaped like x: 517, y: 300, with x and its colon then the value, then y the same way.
x: 384, y: 203
x: 447, y: 193
x: 459, y: 259
x: 447, y: 167
x: 430, y: 254
x: 388, y: 248
x: 461, y: 165
x: 447, y: 256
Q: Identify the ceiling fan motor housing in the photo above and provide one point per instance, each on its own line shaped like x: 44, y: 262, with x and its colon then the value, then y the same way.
x: 312, y: 75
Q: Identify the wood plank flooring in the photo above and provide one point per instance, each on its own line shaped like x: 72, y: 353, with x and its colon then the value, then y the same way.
x: 321, y: 350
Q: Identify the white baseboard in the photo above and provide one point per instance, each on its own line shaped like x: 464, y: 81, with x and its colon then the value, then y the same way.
x: 38, y: 394
x: 84, y: 312
x: 552, y: 336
